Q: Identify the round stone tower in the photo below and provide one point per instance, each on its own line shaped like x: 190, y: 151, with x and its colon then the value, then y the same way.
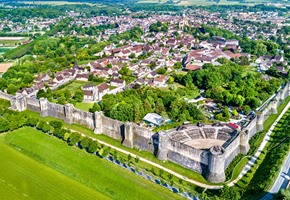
x: 216, y: 165
x: 68, y: 111
x: 162, y: 145
x: 43, y: 102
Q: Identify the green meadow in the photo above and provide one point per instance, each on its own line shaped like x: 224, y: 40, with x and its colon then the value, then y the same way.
x: 39, y: 166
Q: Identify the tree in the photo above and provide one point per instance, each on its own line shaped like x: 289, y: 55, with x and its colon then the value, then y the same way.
x: 177, y: 65
x: 79, y: 96
x: 260, y: 49
x: 67, y: 94
x: 85, y: 142
x: 246, y: 109
x: 253, y: 102
x: 41, y: 94
x: 132, y: 55
x: 93, y: 146
x: 32, y: 121
x: 56, y: 124
x: 74, y: 138
x: 40, y: 125
x: 238, y: 100
x: 230, y: 193
x: 66, y: 136
x: 61, y: 100
x: 159, y: 107
x: 170, y: 80
x: 152, y: 65
x: 129, y: 157
x: 158, y: 24
x: 46, y: 128
x: 235, y: 113
x: 161, y: 71
x: 11, y: 89
x: 96, y: 107
x: 57, y: 132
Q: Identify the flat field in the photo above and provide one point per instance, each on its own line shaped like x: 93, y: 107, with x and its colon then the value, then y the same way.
x: 56, y: 2
x: 21, y: 177
x: 5, y: 66
x: 105, y: 178
x: 207, y: 2
x: 12, y: 41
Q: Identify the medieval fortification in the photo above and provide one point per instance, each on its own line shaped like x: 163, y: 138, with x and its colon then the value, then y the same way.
x: 181, y: 145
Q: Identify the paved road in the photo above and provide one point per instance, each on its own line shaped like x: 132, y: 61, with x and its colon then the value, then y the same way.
x: 262, y: 146
x: 281, y: 181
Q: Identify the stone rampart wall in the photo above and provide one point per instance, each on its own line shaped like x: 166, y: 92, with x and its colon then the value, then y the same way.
x: 142, y: 138
x: 252, y: 127
x: 33, y: 104
x: 83, y: 118
x: 113, y: 128
x: 5, y: 96
x: 199, y: 155
x: 232, y: 150
x: 55, y: 110
x: 181, y: 159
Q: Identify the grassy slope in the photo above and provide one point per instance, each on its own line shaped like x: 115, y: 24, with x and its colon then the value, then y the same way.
x: 88, y: 169
x: 25, y: 178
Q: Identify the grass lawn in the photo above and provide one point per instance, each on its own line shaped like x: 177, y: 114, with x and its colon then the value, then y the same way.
x: 84, y: 106
x: 238, y: 168
x: 90, y: 170
x: 21, y: 177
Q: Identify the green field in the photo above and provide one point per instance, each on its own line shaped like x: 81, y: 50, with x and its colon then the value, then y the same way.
x: 24, y: 178
x: 12, y: 41
x: 208, y: 2
x: 56, y: 2
x: 98, y: 174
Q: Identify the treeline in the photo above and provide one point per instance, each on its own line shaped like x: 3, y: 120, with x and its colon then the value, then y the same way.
x: 230, y: 84
x: 243, y: 8
x: 133, y: 104
x: 20, y: 14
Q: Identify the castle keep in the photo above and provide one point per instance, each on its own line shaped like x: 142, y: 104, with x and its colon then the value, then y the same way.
x: 206, y: 149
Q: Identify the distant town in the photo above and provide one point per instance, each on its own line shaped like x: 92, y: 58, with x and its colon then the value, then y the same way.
x: 199, y: 87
